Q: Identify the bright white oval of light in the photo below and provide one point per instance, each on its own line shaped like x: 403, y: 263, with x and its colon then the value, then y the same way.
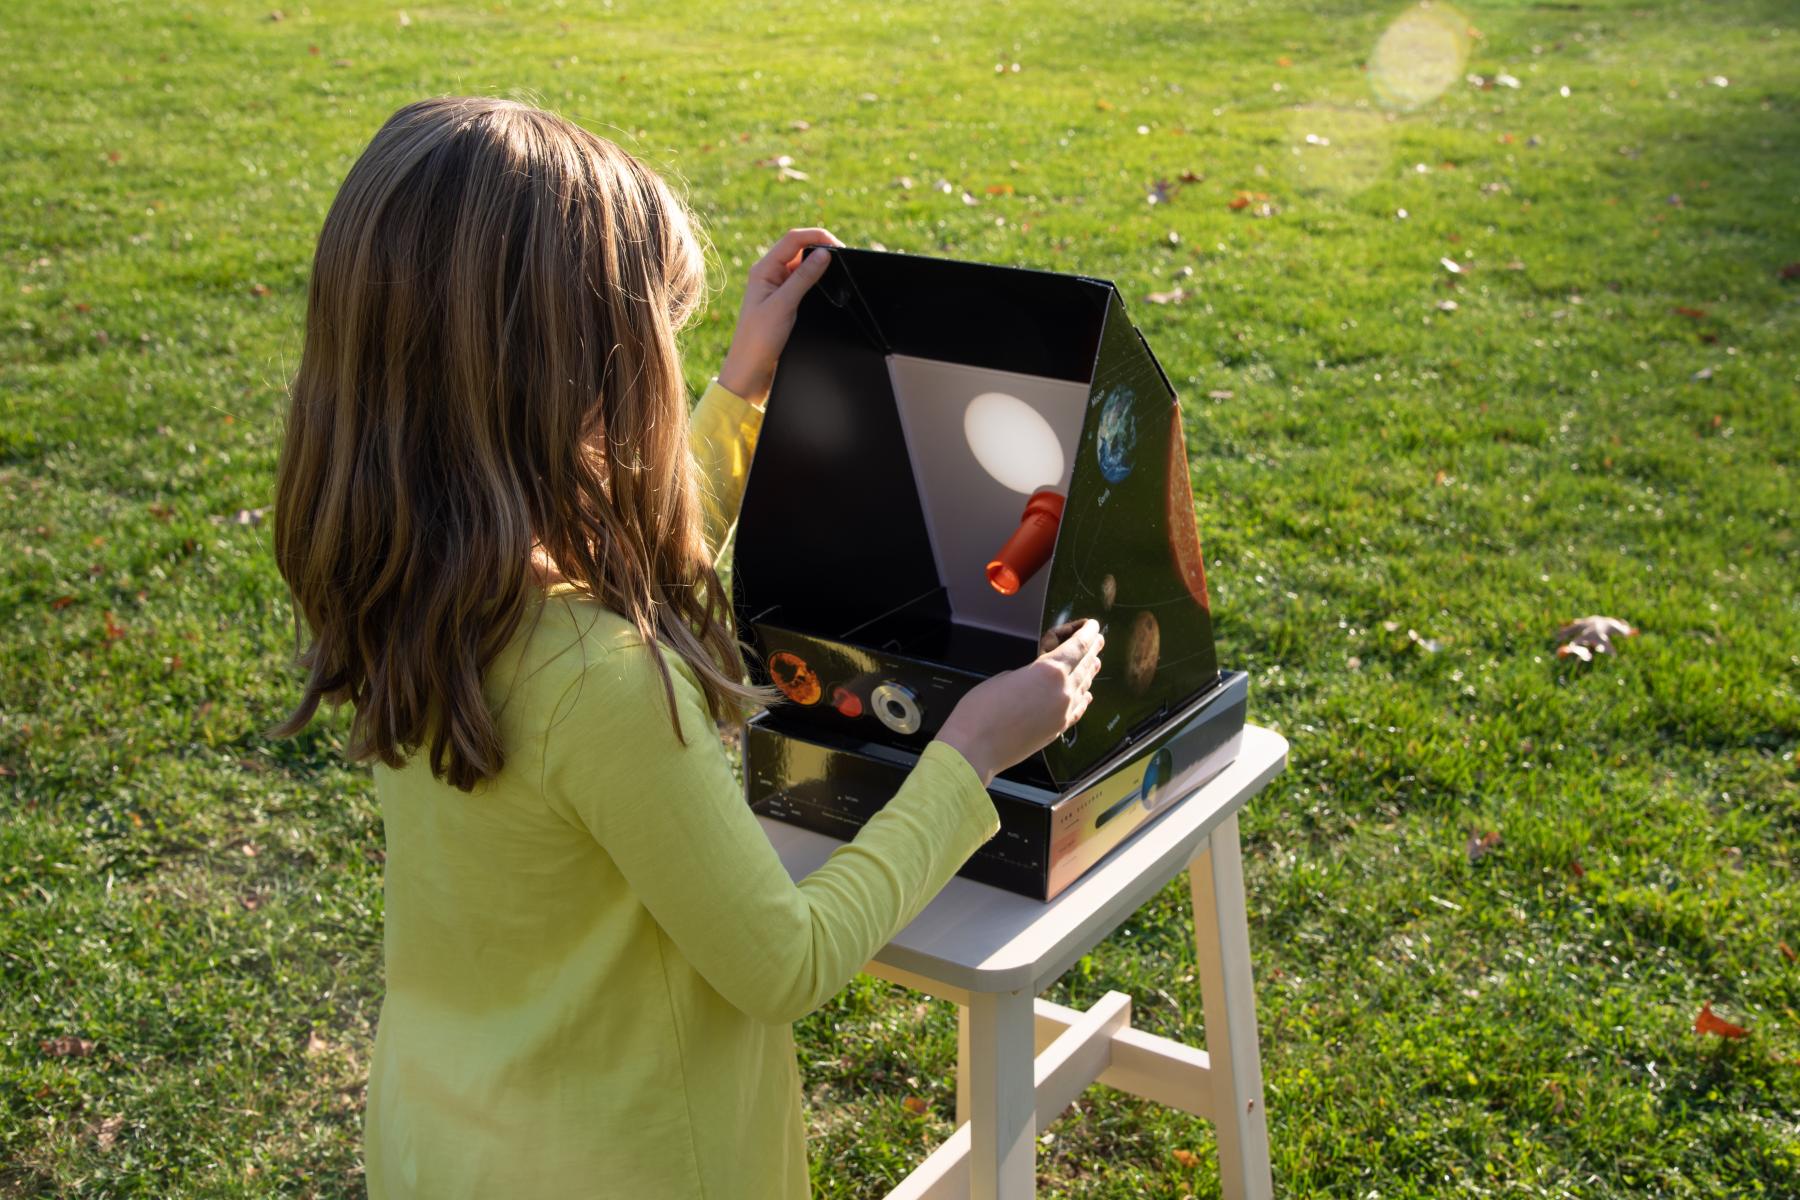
x: 1013, y: 442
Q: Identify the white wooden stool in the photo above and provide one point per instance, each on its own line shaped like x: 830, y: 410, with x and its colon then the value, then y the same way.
x: 1020, y: 1060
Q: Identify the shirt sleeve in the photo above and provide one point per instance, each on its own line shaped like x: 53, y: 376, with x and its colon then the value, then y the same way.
x: 674, y: 821
x: 722, y: 436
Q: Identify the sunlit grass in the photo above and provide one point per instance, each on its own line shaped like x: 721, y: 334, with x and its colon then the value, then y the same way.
x: 1387, y: 456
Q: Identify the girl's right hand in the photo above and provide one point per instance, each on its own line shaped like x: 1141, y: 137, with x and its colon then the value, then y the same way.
x: 1006, y: 719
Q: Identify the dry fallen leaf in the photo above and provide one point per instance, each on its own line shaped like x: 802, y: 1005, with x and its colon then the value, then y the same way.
x: 1695, y: 313
x: 1483, y: 844
x: 1174, y: 297
x: 1186, y: 1158
x: 1791, y: 271
x: 1587, y: 636
x: 67, y: 1046
x: 1710, y: 1022
x: 114, y: 630
x: 915, y: 1105
x: 1787, y: 951
x: 107, y: 1132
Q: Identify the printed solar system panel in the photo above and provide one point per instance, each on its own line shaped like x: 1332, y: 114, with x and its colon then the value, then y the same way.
x: 957, y: 458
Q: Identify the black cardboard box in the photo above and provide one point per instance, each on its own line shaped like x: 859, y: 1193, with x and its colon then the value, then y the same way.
x: 957, y: 458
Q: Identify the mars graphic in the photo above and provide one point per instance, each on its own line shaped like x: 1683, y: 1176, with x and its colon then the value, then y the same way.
x: 1116, y: 437
x: 1141, y: 653
x: 795, y: 679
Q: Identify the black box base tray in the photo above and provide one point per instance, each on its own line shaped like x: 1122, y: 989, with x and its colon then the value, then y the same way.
x: 1047, y: 839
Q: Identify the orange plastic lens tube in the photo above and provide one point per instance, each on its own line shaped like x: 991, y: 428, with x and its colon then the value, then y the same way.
x: 1028, y: 549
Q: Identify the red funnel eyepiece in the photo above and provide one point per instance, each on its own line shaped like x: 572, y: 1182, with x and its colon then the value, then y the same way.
x: 1028, y: 549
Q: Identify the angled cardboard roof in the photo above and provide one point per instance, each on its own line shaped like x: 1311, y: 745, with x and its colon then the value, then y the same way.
x: 868, y: 517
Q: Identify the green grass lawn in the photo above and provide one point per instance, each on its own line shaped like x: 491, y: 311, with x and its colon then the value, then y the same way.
x: 1401, y: 502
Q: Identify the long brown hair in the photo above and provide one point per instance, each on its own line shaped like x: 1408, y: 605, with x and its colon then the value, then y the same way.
x: 489, y: 367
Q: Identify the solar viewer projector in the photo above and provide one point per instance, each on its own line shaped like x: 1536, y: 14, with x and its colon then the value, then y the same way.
x: 956, y: 459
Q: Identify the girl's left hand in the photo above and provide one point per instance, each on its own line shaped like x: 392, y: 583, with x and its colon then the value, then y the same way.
x: 771, y: 294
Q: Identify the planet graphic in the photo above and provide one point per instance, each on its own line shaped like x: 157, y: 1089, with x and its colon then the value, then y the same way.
x: 1109, y: 591
x: 1184, y: 535
x: 1116, y: 438
x: 1159, y: 771
x: 1141, y: 653
x: 795, y: 679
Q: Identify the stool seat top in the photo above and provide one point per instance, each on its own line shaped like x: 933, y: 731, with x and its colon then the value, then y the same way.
x: 982, y: 939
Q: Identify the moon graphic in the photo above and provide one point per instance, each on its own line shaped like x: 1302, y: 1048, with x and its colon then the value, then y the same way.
x: 1142, y: 652
x: 795, y: 679
x: 1109, y: 591
x: 1184, y: 536
x: 1115, y: 438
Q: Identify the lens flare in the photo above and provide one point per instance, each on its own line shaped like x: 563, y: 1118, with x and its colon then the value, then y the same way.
x: 1340, y: 150
x: 1419, y: 56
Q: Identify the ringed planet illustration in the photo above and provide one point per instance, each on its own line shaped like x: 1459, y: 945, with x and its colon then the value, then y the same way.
x: 795, y: 679
x: 1115, y: 440
x: 1142, y: 652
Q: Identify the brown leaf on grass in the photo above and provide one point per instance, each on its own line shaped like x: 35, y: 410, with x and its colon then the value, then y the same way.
x: 1587, y: 636
x: 114, y: 630
x: 1174, y: 297
x: 1787, y: 951
x: 1576, y: 869
x: 915, y: 1105
x: 1791, y: 271
x: 259, y: 289
x: 1192, y: 177
x: 62, y: 602
x: 1710, y: 1022
x: 1103, y: 105
x: 999, y: 189
x: 67, y: 1046
x: 316, y: 1045
x: 1239, y: 201
x: 1186, y: 1158
x: 1483, y: 844
x: 1696, y: 314
x: 107, y: 1132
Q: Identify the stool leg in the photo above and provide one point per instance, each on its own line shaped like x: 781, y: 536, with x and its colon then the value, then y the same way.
x: 1002, y: 1097
x: 1228, y: 996
x: 962, y: 1064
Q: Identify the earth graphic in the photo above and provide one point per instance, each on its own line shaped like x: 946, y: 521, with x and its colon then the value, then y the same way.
x: 1116, y: 439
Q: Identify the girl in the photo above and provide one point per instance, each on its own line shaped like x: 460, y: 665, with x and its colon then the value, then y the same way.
x: 498, y: 523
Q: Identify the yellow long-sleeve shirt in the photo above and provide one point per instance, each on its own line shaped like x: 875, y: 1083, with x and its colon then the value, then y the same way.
x: 594, y: 958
